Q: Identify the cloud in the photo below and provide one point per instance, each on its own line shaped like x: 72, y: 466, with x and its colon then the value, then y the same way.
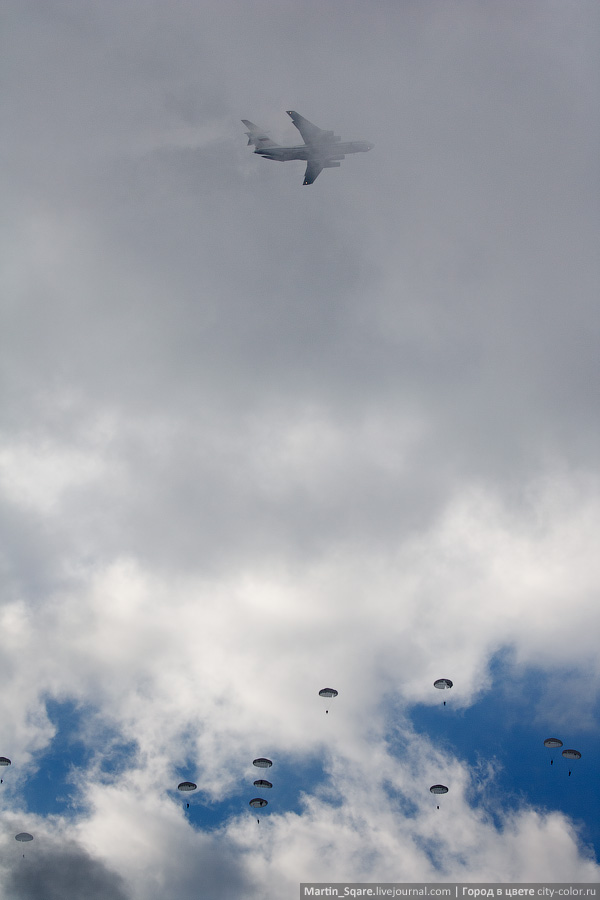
x: 56, y: 867
x: 259, y: 439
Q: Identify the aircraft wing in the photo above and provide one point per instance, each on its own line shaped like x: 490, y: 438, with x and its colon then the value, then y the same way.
x: 312, y: 170
x: 310, y: 133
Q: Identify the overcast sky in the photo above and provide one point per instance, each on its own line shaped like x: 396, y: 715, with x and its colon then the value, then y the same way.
x: 259, y: 438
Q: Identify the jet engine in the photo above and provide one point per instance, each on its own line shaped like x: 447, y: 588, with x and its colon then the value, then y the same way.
x: 331, y: 165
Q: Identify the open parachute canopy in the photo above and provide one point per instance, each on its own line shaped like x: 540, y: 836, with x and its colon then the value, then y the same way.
x: 258, y: 803
x: 262, y: 762
x: 571, y: 754
x: 552, y: 743
x: 262, y: 783
x: 443, y: 684
x: 4, y: 761
x: 187, y: 786
x: 328, y: 692
x: 438, y: 789
x: 23, y: 836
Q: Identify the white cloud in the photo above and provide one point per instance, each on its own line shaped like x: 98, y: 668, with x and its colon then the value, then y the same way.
x: 217, y: 670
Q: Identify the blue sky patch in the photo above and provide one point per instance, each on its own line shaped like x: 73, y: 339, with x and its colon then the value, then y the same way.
x: 504, y: 727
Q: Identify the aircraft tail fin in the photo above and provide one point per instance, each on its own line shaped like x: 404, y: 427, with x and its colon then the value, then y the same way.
x: 257, y: 136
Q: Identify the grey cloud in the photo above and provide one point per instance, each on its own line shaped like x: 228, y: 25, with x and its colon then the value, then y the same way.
x: 190, y: 291
x: 61, y: 871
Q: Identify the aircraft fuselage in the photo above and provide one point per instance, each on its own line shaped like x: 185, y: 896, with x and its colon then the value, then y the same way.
x: 323, y: 152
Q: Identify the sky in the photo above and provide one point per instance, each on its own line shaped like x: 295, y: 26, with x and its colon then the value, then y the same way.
x: 257, y: 439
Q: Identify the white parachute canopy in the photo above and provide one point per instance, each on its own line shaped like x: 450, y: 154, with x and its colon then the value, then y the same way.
x: 187, y: 786
x: 262, y: 783
x: 438, y: 789
x: 262, y: 762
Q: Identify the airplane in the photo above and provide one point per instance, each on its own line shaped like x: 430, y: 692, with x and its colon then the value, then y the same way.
x: 321, y: 149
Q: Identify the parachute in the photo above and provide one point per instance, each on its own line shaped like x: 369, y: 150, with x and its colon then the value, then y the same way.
x: 23, y: 836
x: 262, y: 783
x: 438, y: 789
x: 443, y: 684
x: 258, y: 803
x: 571, y: 754
x: 262, y: 762
x: 328, y: 692
x: 552, y: 744
x: 187, y: 786
x: 4, y: 761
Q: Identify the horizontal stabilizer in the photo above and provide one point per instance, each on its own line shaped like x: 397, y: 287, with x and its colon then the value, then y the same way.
x: 257, y: 136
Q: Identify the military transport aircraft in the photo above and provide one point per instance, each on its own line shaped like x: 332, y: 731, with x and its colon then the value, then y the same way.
x: 321, y: 149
